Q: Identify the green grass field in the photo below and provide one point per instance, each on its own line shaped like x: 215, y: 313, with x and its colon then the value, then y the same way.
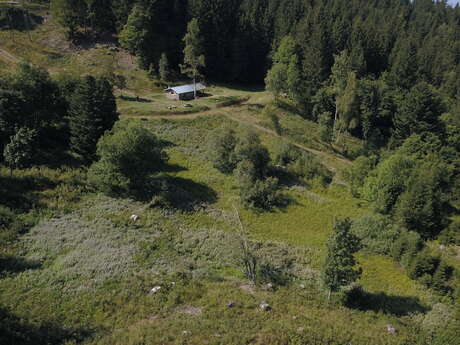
x: 83, y: 272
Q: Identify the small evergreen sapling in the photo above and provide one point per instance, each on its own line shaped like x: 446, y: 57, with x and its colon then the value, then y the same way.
x: 19, y: 152
x: 339, y: 266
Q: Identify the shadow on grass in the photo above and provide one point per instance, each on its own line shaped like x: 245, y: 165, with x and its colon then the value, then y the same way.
x: 13, y: 264
x: 19, y: 192
x: 362, y: 300
x: 17, y: 331
x: 135, y: 99
x: 177, y: 192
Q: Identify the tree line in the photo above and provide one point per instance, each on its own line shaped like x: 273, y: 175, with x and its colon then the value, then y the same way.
x: 44, y: 120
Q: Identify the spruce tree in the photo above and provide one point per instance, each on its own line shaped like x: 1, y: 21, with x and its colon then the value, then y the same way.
x: 194, y: 59
x: 339, y: 266
x: 92, y: 112
x: 163, y: 68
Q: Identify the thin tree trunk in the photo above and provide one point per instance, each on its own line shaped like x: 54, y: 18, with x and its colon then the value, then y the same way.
x: 194, y: 87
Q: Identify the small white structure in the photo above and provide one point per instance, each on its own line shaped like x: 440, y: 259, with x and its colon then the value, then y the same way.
x: 184, y: 92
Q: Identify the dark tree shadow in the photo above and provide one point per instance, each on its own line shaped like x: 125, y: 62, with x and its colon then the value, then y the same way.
x: 18, y: 19
x: 17, y: 331
x: 135, y: 99
x: 13, y: 264
x: 19, y: 192
x: 178, y: 193
x: 359, y: 299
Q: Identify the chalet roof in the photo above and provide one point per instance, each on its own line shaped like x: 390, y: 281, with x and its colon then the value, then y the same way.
x: 186, y: 88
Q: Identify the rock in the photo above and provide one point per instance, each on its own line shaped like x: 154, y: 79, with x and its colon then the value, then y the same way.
x: 265, y: 306
x: 231, y: 304
x: 173, y: 283
x: 300, y: 329
x: 186, y: 332
x: 134, y: 218
x: 302, y: 286
x: 269, y: 286
x: 155, y: 289
x: 391, y: 329
x: 442, y: 247
x: 294, y: 317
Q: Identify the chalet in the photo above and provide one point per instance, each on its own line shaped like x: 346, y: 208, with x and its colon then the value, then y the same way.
x: 184, y: 92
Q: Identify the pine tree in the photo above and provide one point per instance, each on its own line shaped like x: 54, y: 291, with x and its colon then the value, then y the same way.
x: 339, y: 266
x: 93, y: 111
x: 194, y: 59
x: 163, y: 68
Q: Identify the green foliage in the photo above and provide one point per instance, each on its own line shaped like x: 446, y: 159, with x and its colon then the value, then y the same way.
x: 441, y: 278
x: 221, y: 149
x: 387, y: 182
x: 423, y: 207
x: 256, y: 191
x: 451, y: 234
x: 128, y: 157
x: 307, y: 167
x: 326, y: 127
x: 92, y: 112
x: 376, y: 232
x: 356, y: 174
x: 285, y: 76
x: 406, y: 247
x: 194, y: 59
x: 423, y: 267
x: 249, y: 147
x: 418, y: 113
x: 286, y: 154
x: 339, y: 265
x: 163, y: 68
x: 20, y: 150
x: 134, y: 34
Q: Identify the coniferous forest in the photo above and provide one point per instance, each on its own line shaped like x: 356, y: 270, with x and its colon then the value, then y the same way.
x: 310, y: 195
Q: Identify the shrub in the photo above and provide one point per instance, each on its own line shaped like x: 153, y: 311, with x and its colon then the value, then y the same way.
x: 451, y: 234
x: 326, y: 126
x: 307, y: 167
x: 249, y: 147
x: 357, y: 173
x: 128, y: 157
x: 286, y: 153
x: 259, y: 194
x: 406, y: 247
x: 19, y: 152
x: 222, y: 144
x: 423, y: 264
x: 377, y: 233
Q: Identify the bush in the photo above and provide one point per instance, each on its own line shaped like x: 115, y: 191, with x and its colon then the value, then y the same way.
x: 286, y: 153
x: 249, y: 147
x: 307, y: 167
x: 406, y: 247
x: 423, y: 264
x: 128, y: 157
x: 377, y: 233
x: 451, y: 234
x: 222, y: 144
x: 357, y: 173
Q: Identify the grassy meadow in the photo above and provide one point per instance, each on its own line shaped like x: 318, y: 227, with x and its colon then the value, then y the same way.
x: 76, y: 270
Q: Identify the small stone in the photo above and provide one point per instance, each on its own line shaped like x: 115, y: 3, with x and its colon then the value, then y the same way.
x: 300, y: 329
x: 391, y: 329
x: 269, y: 286
x: 186, y: 332
x: 231, y: 304
x: 265, y: 306
x: 294, y: 317
x: 302, y: 286
x: 134, y: 218
x: 442, y: 247
x: 173, y: 283
x: 217, y: 335
x: 155, y: 289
